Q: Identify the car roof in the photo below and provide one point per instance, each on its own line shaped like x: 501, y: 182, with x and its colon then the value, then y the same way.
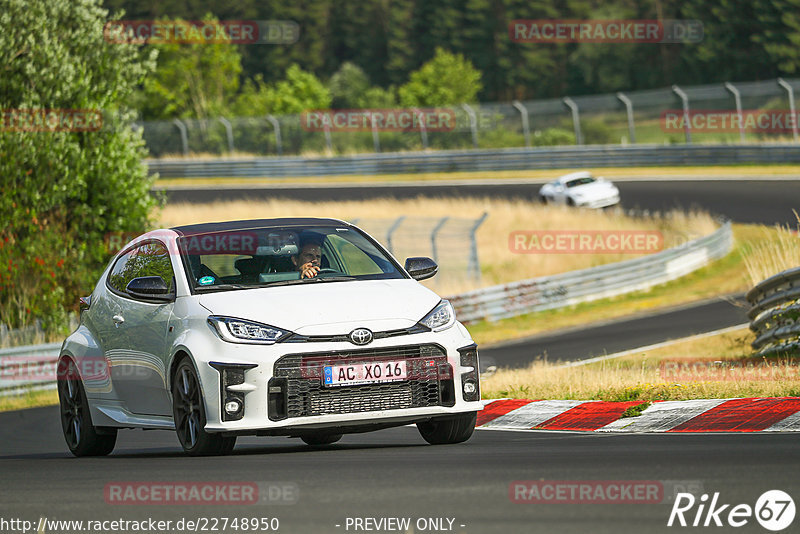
x: 574, y: 176
x: 225, y: 226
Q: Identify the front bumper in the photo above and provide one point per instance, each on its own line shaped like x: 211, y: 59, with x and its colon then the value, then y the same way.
x: 282, y: 393
x: 599, y: 202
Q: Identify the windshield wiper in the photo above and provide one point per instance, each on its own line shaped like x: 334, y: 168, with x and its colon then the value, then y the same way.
x: 222, y: 287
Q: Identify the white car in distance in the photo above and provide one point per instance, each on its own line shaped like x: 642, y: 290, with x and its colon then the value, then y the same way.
x: 304, y: 328
x: 580, y: 189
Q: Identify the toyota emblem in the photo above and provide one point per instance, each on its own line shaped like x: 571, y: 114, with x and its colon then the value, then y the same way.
x: 361, y: 336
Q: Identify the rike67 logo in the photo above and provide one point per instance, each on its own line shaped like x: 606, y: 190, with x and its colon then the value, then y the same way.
x: 774, y: 510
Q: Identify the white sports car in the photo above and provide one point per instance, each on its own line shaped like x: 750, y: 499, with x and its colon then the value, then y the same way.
x: 297, y: 327
x: 580, y: 189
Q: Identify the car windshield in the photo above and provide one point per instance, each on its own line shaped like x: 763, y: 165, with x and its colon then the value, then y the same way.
x: 241, y: 259
x: 580, y: 181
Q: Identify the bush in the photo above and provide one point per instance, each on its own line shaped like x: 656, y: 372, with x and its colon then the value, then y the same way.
x: 65, y: 190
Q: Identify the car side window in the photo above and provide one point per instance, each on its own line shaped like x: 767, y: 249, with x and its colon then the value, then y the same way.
x: 149, y: 259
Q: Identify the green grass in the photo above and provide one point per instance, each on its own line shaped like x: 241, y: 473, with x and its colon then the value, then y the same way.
x: 28, y: 400
x: 635, y: 411
x: 724, y: 276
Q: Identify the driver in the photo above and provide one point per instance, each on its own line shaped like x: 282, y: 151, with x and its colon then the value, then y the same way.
x: 307, y: 260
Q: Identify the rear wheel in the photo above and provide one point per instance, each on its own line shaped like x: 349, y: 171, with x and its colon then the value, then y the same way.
x: 190, y: 416
x: 316, y: 440
x: 455, y: 429
x: 83, y: 438
x: 543, y: 199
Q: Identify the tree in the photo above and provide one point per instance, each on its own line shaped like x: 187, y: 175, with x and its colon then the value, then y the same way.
x: 350, y: 89
x: 298, y: 92
x: 192, y: 80
x: 447, y: 79
x: 64, y: 191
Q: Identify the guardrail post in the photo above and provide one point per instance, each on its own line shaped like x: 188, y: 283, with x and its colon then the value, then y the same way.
x: 184, y: 137
x: 434, y: 232
x: 391, y: 230
x: 473, y: 267
x: 277, y: 127
x: 423, y: 130
x: 376, y: 142
x: 523, y: 113
x: 790, y: 92
x: 686, y: 118
x: 576, y: 119
x: 737, y: 100
x: 629, y: 111
x: 473, y: 124
x: 229, y: 131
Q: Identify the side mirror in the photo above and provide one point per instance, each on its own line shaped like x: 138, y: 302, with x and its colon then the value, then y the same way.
x: 149, y: 288
x: 421, y: 268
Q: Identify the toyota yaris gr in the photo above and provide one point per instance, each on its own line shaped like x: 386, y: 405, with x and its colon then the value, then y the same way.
x: 280, y: 327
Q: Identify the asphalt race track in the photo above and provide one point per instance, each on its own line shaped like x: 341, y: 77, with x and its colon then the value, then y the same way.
x: 748, y: 201
x: 620, y: 335
x: 394, y: 473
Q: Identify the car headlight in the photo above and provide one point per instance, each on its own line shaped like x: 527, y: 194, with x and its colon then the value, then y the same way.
x: 442, y: 317
x: 241, y: 331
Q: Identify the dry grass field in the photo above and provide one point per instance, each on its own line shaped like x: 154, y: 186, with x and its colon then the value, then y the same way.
x: 499, y: 264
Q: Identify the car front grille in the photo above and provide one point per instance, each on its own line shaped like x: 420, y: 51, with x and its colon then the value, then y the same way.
x: 429, y: 383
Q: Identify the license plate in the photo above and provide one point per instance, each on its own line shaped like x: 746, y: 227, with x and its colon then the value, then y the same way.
x: 364, y: 373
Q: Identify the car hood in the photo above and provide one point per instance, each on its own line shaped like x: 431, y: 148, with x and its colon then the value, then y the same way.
x: 594, y: 188
x: 329, y: 307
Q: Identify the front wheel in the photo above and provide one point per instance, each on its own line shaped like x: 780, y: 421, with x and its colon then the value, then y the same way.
x: 190, y: 416
x: 83, y: 438
x: 455, y: 429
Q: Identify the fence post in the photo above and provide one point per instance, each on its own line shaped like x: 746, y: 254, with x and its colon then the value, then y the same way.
x: 277, y: 126
x: 523, y: 113
x: 376, y: 142
x: 184, y: 138
x: 328, y: 142
x: 629, y: 110
x: 737, y: 99
x: 790, y: 91
x: 687, y: 127
x: 423, y: 130
x: 473, y: 267
x: 473, y: 124
x: 576, y: 119
x: 391, y: 230
x: 229, y: 131
x: 434, y: 233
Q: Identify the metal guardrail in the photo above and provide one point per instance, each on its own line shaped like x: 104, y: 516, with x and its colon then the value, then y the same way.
x: 557, y: 291
x: 28, y: 368
x: 33, y: 367
x: 479, y: 160
x: 775, y: 312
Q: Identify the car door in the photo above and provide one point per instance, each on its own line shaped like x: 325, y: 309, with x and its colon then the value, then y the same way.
x: 138, y: 358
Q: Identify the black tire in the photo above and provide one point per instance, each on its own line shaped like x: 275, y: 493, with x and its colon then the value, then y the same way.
x: 543, y: 199
x: 570, y: 202
x: 455, y: 429
x: 82, y: 437
x: 317, y: 440
x: 189, y: 413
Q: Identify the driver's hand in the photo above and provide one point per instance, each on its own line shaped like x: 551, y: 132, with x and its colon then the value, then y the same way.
x: 308, y: 270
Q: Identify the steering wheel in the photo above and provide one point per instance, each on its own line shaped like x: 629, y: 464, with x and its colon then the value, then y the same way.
x: 328, y: 270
